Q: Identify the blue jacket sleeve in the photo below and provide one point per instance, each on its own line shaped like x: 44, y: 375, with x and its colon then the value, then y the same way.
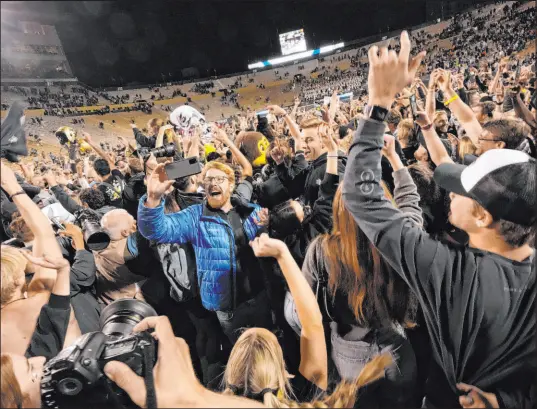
x: 166, y: 228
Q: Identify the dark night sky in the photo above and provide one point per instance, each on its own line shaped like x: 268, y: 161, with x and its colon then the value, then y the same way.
x: 139, y: 40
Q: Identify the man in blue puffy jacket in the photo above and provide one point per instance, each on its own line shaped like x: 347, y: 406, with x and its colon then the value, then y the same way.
x: 229, y: 276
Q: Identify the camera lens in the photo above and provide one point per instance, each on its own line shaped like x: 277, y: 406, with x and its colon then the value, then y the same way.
x: 165, y: 151
x: 94, y: 236
x: 70, y: 386
x: 121, y: 316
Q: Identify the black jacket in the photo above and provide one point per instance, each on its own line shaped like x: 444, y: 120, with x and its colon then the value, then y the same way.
x: 134, y: 189
x: 317, y: 223
x: 71, y: 206
x: 87, y: 309
x: 49, y: 335
x: 306, y: 182
x: 144, y: 141
x: 478, y: 306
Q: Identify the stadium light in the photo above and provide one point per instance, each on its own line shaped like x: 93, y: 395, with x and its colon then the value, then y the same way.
x: 293, y: 57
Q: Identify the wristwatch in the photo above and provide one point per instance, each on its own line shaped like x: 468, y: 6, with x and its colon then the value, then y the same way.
x: 375, y: 112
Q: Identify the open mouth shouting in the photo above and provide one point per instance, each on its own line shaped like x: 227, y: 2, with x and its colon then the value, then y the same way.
x: 215, y: 196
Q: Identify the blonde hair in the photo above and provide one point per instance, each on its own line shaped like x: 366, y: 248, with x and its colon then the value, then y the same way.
x: 12, y: 267
x: 405, y: 130
x: 439, y: 113
x: 466, y: 147
x: 221, y: 167
x: 154, y: 122
x: 310, y: 121
x: 256, y: 365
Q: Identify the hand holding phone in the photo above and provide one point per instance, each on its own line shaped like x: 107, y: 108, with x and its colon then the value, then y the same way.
x: 413, y: 105
x: 183, y: 168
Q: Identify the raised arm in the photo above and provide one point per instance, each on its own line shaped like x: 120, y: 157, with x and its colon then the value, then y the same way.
x: 69, y: 204
x: 294, y: 129
x: 313, y: 353
x: 435, y: 146
x: 405, y: 192
x: 494, y: 83
x: 53, y: 319
x: 153, y: 223
x: 460, y: 110
x: 87, y: 137
x: 221, y: 136
x: 430, y: 101
x: 39, y: 224
x: 295, y: 108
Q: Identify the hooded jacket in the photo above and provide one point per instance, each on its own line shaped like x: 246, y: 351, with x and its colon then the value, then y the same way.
x: 307, y: 181
x: 213, y: 242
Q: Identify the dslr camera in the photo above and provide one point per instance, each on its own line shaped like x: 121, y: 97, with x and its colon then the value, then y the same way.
x: 75, y: 377
x: 164, y: 151
x: 90, y: 223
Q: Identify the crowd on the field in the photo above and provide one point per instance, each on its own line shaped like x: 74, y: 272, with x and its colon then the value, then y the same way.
x: 375, y: 252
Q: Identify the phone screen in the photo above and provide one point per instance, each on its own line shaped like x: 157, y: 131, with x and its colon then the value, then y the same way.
x: 413, y: 106
x: 517, y: 73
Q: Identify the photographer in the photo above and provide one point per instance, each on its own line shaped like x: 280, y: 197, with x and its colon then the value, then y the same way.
x: 21, y: 374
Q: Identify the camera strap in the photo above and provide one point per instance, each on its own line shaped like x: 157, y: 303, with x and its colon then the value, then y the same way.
x: 149, y: 361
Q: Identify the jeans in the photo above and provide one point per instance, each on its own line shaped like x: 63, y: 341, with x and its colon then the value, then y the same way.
x: 252, y: 313
x: 398, y: 387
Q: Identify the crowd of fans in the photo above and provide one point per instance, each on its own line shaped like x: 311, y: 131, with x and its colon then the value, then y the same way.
x: 371, y: 253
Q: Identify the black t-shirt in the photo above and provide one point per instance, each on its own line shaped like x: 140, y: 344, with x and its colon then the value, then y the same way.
x: 249, y: 280
x: 112, y: 188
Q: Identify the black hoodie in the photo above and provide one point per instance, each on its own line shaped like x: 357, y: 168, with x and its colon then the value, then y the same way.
x: 307, y: 182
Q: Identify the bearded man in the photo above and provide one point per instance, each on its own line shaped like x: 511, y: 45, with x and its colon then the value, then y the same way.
x: 229, y: 276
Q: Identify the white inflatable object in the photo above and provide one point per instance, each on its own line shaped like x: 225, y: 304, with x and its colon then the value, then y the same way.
x: 187, y: 119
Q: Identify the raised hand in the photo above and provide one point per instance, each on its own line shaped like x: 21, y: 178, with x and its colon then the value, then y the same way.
x: 390, y: 72
x: 220, y: 135
x: 54, y: 263
x: 157, y: 185
x: 389, y: 146
x: 327, y: 137
x: 278, y: 154
x: 8, y: 180
x: 422, y: 119
x: 276, y: 110
x: 87, y: 137
x: 444, y: 81
x: 264, y: 246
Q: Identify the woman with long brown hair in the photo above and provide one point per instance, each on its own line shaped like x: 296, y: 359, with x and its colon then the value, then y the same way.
x: 256, y: 368
x: 367, y: 304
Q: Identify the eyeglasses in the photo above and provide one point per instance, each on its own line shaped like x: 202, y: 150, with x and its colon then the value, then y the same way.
x: 218, y: 180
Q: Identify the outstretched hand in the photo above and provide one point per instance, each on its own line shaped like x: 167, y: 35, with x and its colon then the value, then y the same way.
x: 390, y: 72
